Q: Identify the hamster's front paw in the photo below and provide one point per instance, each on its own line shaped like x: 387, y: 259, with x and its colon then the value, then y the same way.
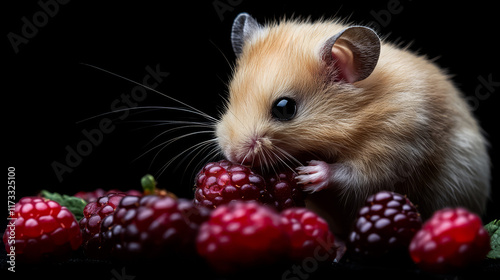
x: 315, y: 176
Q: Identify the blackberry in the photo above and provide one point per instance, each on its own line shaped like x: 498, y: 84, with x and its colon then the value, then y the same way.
x: 223, y: 181
x: 386, y: 224
x: 284, y: 190
x: 309, y: 235
x: 90, y: 224
x: 92, y: 196
x: 151, y: 227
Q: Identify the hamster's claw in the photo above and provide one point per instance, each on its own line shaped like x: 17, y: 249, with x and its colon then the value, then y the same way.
x: 315, y: 176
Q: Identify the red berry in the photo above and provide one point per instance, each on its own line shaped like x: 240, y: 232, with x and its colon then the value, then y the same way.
x: 90, y: 224
x: 386, y: 224
x: 242, y: 235
x: 450, y: 239
x: 221, y: 182
x: 151, y: 227
x: 44, y: 230
x: 309, y: 235
x: 284, y: 190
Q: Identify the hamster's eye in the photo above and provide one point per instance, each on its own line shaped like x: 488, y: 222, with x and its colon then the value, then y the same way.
x: 284, y: 109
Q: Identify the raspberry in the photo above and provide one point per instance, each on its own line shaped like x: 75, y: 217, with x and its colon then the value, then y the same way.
x: 309, y: 235
x: 44, y: 230
x: 95, y: 194
x: 385, y: 224
x: 450, y: 239
x: 152, y: 227
x: 284, y: 191
x: 90, y: 224
x: 242, y: 235
x: 221, y: 182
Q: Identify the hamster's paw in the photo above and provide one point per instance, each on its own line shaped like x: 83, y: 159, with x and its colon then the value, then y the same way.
x: 315, y: 176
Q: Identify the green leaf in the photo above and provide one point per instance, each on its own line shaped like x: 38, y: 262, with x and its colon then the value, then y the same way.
x: 493, y: 229
x: 74, y: 204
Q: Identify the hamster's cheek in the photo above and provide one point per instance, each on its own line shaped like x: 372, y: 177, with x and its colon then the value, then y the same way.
x: 222, y: 139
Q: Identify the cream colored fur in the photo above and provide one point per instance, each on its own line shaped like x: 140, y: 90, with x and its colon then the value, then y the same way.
x: 405, y: 128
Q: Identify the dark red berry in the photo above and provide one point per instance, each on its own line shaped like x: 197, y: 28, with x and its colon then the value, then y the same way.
x: 95, y: 194
x: 44, y: 230
x: 309, y: 235
x: 451, y: 239
x: 221, y: 182
x: 152, y: 227
x: 90, y: 224
x: 242, y: 235
x: 284, y: 190
x: 386, y: 224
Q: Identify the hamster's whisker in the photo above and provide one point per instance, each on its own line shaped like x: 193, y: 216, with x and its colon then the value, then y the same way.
x: 170, y: 122
x: 214, y: 153
x: 268, y: 160
x: 209, y: 144
x: 283, y: 160
x: 245, y: 157
x: 273, y: 167
x: 191, y: 150
x: 261, y: 160
x: 151, y: 108
x: 205, y: 145
x: 223, y: 55
x: 169, y: 142
x: 154, y: 90
x: 291, y: 159
x: 179, y: 128
x: 192, y: 126
x: 211, y: 155
x: 165, y: 144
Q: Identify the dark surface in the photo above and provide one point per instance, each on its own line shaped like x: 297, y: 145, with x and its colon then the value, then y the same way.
x: 49, y: 91
x: 80, y: 267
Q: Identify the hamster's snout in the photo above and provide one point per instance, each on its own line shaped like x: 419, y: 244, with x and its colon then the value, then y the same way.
x: 254, y: 150
x: 242, y: 145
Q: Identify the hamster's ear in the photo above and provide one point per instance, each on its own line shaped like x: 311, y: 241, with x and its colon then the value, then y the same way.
x: 354, y: 52
x: 244, y: 26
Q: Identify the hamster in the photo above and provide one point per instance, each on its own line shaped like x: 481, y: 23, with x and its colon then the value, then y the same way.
x: 359, y: 114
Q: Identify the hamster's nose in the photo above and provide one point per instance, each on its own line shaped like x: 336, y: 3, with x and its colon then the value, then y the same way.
x: 254, y: 152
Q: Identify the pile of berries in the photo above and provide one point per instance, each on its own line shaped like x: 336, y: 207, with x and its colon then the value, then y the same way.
x: 240, y: 220
x: 247, y: 235
x: 389, y: 225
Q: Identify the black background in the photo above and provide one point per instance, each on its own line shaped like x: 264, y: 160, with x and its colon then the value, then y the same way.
x: 48, y: 91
